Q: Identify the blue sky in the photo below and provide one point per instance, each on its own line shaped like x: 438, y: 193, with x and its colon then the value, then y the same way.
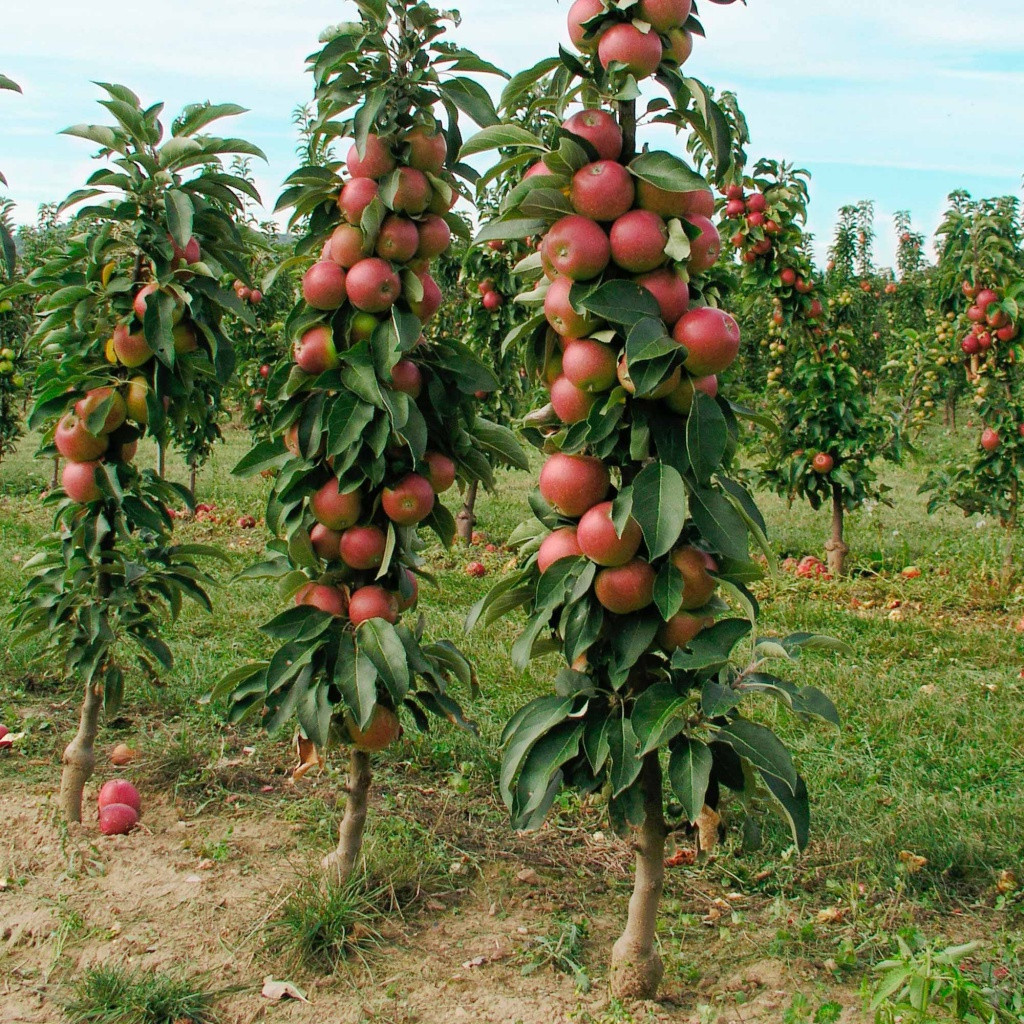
x: 899, y: 101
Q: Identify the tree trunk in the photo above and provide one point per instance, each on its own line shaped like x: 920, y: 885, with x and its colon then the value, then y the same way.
x: 465, y: 521
x: 79, y: 755
x: 192, y: 480
x: 636, y: 966
x: 951, y: 411
x: 161, y: 459
x: 339, y: 865
x: 836, y: 549
x: 55, y: 479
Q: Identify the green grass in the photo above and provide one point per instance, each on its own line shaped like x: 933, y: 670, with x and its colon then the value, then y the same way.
x: 118, y: 995
x: 929, y: 758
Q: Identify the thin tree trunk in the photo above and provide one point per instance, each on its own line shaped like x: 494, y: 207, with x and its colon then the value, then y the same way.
x: 836, y: 549
x: 340, y: 864
x: 465, y: 521
x: 192, y: 480
x: 1006, y: 576
x: 161, y: 459
x: 951, y: 411
x: 55, y: 480
x: 636, y: 966
x: 79, y: 755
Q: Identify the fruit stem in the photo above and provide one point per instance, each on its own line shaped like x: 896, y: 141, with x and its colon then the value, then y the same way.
x: 627, y: 121
x: 340, y: 864
x: 79, y: 755
x: 636, y: 966
x: 466, y: 519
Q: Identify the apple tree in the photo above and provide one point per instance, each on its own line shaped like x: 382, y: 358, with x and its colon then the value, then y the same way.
x: 982, y: 243
x: 129, y: 320
x: 372, y: 421
x: 827, y: 434
x: 637, y: 558
x: 11, y: 380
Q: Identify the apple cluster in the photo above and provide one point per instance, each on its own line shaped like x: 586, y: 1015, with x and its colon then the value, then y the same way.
x: 375, y: 263
x: 120, y: 807
x: 106, y: 422
x: 633, y: 38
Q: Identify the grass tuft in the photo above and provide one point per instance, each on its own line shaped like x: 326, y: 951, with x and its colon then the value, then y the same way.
x: 119, y: 995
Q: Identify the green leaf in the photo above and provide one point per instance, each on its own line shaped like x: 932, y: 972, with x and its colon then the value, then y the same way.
x: 668, y: 590
x: 500, y: 136
x: 719, y: 523
x: 794, y: 804
x: 541, y: 775
x: 689, y: 772
x: 523, y: 730
x: 762, y: 748
x: 499, y: 443
x: 622, y: 302
x: 472, y: 99
x: 379, y: 641
x: 707, y: 436
x: 265, y: 455
x: 356, y: 677
x: 516, y: 228
x: 658, y: 715
x: 659, y: 506
x: 623, y: 752
x: 179, y: 216
x: 546, y: 203
x: 711, y: 647
x: 201, y: 114
x: 666, y: 171
x: 716, y: 699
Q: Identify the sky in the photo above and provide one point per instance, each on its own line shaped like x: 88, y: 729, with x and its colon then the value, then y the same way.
x: 897, y: 101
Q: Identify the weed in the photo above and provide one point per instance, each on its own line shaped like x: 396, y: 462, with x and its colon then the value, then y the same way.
x: 118, y: 995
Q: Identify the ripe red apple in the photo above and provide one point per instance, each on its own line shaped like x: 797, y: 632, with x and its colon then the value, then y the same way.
x: 712, y: 340
x: 681, y: 398
x: 625, y: 588
x: 79, y: 482
x: 426, y: 307
x: 698, y: 584
x: 576, y: 247
x: 560, y: 314
x: 362, y: 547
x: 822, y: 463
x: 969, y: 290
x: 440, y: 471
x: 372, y: 285
x: 326, y: 542
x: 589, y: 365
x: 398, y: 239
x: 989, y: 439
x: 434, y: 237
x: 323, y: 285
x: 571, y: 404
x: 816, y: 310
x: 118, y: 819
x: 602, y: 190
x: 493, y: 300
x: 334, y: 508
x: 997, y: 318
x: 638, y: 240
x: 670, y: 291
x: 75, y: 443
x: 372, y: 602
x: 190, y: 253
x: 681, y: 629
x: 985, y: 299
x: 327, y: 599
x: 132, y: 350
x: 756, y: 220
x: 135, y: 400
x: 600, y: 129
x: 382, y: 731
x: 757, y: 203
x: 599, y: 541
x: 139, y: 303
x: 970, y: 345
x: 571, y: 484
x: 376, y: 161
x: 1007, y: 333
x: 561, y: 543
x: 788, y: 276
x: 410, y: 501
x: 119, y: 791
x: 705, y: 249
x: 93, y: 399
x: 735, y: 208
x: 984, y: 341
x: 407, y: 377
x: 356, y: 195
x: 346, y: 245
x: 428, y: 148
x: 315, y: 352
x: 412, y: 191
x: 695, y: 203
x: 580, y: 12
x: 976, y: 314
x: 663, y: 15
x: 625, y: 44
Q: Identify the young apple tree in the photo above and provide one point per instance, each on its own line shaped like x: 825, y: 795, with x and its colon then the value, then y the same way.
x: 638, y: 555
x: 827, y: 434
x: 129, y: 324
x: 372, y: 422
x: 980, y: 243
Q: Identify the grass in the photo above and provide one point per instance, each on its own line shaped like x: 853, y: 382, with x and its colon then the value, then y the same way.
x: 118, y: 995
x: 929, y: 758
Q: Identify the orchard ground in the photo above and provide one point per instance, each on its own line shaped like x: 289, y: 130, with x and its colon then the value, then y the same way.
x: 918, y: 802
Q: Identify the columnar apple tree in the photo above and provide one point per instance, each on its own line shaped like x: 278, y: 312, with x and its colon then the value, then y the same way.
x: 372, y: 423
x: 638, y: 557
x: 7, y: 252
x: 129, y: 323
x: 981, y: 243
x: 827, y: 435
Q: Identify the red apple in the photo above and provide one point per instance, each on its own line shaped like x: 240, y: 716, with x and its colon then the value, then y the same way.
x: 638, y: 240
x: 670, y: 291
x: 119, y: 791
x: 434, y: 237
x: 362, y: 547
x: 602, y: 190
x: 412, y: 191
x: 625, y: 588
x: 663, y: 15
x: 93, y: 399
x: 681, y: 629
x: 600, y: 129
x: 576, y: 247
x: 705, y: 249
x: 561, y: 543
x: 788, y: 276
x: 410, y: 501
x: 132, y: 350
x: 376, y: 160
x: 989, y: 439
x: 315, y: 351
x: 625, y: 44
x: 712, y: 340
x: 407, y: 377
x: 698, y: 584
x: 440, y: 471
x: 582, y: 11
x: 372, y: 602
x: 822, y: 463
x: 326, y: 542
x: 346, y: 245
x: 398, y: 239
x: 79, y: 482
x: 757, y: 203
x: 560, y: 314
x: 589, y: 365
x: 323, y: 285
x: 571, y: 484
x: 426, y: 307
x: 599, y: 541
x: 118, y: 819
x: 75, y: 443
x: 571, y: 404
x: 372, y: 285
x: 985, y: 299
x: 334, y: 508
x: 428, y: 148
x: 356, y: 195
x: 493, y: 300
x: 327, y: 599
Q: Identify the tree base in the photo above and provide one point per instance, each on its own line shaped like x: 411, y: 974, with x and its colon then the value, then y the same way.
x: 635, y: 974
